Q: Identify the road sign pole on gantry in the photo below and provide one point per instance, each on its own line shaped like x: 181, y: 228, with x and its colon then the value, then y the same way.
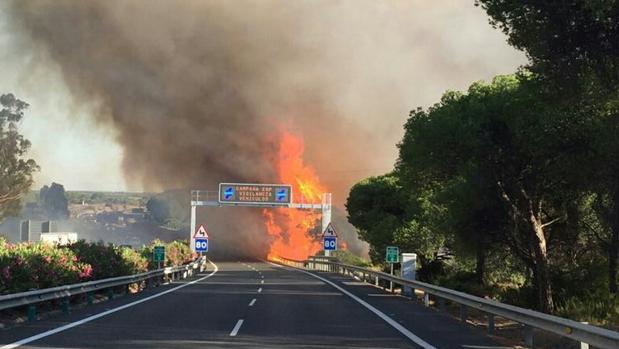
x: 192, y: 243
x: 326, y: 215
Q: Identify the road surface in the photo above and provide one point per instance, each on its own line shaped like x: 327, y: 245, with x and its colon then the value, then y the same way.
x: 251, y: 304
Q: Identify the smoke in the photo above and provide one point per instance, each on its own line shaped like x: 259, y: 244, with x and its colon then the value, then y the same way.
x: 197, y: 90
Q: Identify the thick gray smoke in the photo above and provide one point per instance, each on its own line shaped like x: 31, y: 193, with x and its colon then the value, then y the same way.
x: 198, y: 90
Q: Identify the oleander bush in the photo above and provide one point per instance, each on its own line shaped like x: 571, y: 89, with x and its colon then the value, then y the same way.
x: 27, y: 266
x: 177, y: 253
x: 108, y: 260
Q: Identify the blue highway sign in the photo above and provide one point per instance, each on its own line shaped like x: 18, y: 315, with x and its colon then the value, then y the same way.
x: 330, y: 243
x: 228, y: 193
x: 282, y: 195
x: 201, y: 245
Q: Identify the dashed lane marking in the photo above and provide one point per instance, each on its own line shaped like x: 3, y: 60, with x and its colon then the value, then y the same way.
x: 236, y: 328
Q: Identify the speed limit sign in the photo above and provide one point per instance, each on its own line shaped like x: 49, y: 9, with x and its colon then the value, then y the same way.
x: 330, y: 243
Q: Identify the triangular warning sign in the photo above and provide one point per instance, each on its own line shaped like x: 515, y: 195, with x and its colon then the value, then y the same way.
x: 201, y: 233
x: 329, y: 231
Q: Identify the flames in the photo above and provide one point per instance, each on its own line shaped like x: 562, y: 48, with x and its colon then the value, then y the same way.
x: 294, y: 233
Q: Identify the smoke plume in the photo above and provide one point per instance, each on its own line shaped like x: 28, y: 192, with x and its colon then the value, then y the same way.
x: 197, y: 91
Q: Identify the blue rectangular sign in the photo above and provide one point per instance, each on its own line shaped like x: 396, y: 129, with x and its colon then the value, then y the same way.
x: 201, y: 245
x: 330, y: 243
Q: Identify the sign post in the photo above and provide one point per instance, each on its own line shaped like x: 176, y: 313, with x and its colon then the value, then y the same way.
x: 200, y: 240
x: 392, y: 256
x: 329, y: 239
x: 159, y: 255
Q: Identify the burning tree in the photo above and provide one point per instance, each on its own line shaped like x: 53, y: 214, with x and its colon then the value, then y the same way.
x: 293, y: 232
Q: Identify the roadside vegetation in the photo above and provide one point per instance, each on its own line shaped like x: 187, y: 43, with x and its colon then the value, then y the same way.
x: 27, y: 266
x: 510, y: 189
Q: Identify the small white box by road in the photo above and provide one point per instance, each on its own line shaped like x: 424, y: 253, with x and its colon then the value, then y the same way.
x: 409, y: 266
x: 59, y: 238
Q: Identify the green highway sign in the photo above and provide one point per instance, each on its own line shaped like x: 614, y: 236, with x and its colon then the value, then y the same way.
x: 392, y: 255
x: 159, y: 254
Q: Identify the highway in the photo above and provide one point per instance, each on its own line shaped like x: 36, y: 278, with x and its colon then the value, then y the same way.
x: 250, y: 304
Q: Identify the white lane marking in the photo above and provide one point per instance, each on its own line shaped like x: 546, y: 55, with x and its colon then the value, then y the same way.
x: 260, y: 290
x: 21, y: 342
x: 251, y: 304
x: 236, y: 328
x: 403, y: 330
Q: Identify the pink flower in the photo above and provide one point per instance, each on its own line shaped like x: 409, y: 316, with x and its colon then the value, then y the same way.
x: 86, y: 272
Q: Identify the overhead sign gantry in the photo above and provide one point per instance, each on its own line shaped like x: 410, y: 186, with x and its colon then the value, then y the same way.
x: 254, y: 195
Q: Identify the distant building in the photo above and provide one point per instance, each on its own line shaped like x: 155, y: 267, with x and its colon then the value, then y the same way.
x: 59, y: 238
x: 24, y: 231
x: 47, y: 234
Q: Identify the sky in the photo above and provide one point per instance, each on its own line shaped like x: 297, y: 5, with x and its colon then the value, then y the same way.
x: 67, y: 144
x: 408, y: 62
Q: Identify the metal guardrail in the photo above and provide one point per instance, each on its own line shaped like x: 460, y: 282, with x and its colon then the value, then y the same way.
x: 592, y: 335
x: 30, y: 298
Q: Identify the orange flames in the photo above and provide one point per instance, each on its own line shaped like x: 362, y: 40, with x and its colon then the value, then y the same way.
x: 295, y: 233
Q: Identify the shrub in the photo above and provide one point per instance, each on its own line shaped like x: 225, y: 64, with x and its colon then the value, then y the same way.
x: 28, y: 266
x: 108, y: 260
x: 347, y: 257
x: 177, y: 253
x: 597, y: 308
x: 466, y: 281
x: 133, y: 261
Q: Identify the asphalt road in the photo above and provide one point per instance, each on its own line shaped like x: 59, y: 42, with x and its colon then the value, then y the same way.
x: 251, y: 304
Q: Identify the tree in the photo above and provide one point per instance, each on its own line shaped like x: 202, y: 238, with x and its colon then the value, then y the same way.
x: 376, y: 207
x: 605, y: 190
x: 54, y: 201
x: 159, y: 209
x: 508, y: 141
x: 15, y: 170
x: 574, y: 43
x: 169, y: 208
x: 386, y: 215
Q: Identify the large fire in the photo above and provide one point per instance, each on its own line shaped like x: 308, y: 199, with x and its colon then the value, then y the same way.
x: 295, y: 233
